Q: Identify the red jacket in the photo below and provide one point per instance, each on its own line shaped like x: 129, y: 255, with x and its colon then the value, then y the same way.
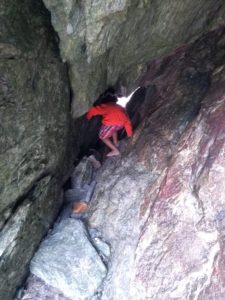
x: 113, y: 114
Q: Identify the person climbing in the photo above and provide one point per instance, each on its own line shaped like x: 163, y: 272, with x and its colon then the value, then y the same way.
x: 114, y: 118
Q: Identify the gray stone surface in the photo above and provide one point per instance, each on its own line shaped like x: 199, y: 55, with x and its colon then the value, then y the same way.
x: 82, y: 181
x: 82, y: 174
x: 78, y: 247
x: 166, y: 191
x: 34, y: 127
x: 36, y: 289
x: 23, y: 232
x: 67, y: 260
x: 109, y: 42
x: 160, y: 205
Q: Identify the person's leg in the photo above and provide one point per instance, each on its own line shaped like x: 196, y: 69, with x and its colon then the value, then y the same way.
x: 115, y: 138
x: 106, y: 132
x: 114, y: 150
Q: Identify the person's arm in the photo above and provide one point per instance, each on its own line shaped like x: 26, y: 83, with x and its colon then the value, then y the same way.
x: 128, y: 128
x: 94, y: 111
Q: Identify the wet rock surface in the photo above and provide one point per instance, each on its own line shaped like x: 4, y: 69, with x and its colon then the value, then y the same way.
x: 160, y: 205
x: 110, y: 42
x: 34, y: 126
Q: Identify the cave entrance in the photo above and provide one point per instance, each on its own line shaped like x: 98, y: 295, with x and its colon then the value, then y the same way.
x: 123, y: 101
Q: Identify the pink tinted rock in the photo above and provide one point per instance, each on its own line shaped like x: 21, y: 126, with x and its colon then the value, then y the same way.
x: 161, y: 205
x: 183, y: 236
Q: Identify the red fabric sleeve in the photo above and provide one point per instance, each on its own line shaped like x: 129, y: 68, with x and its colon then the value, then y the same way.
x: 128, y: 128
x: 94, y: 111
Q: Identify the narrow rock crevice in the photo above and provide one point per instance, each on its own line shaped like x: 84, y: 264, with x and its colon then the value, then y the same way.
x: 145, y: 213
x: 147, y: 224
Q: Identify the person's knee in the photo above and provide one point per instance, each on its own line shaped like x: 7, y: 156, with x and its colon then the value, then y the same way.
x: 105, y: 138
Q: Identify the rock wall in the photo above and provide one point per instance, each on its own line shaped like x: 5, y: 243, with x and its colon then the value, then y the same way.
x: 34, y: 128
x: 110, y: 42
x: 160, y: 206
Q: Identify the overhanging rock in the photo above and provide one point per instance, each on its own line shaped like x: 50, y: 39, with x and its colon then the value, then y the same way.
x: 110, y: 42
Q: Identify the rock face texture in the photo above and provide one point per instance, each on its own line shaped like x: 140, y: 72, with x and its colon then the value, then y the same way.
x: 80, y: 272
x: 161, y: 205
x: 71, y: 263
x: 34, y: 124
x: 109, y: 42
x: 159, y: 209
